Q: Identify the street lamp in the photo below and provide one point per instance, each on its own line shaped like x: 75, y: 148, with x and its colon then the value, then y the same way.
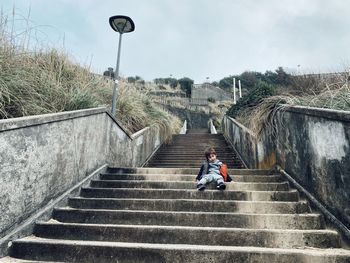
x: 120, y: 24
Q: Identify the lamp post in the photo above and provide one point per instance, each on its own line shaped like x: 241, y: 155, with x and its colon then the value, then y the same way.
x: 120, y: 24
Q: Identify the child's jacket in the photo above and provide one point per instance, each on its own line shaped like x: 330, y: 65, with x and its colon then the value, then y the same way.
x: 207, y: 168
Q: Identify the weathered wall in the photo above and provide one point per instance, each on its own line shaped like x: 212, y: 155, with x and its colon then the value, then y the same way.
x: 246, y: 143
x: 42, y: 156
x: 312, y: 145
x: 195, y: 120
x: 206, y: 91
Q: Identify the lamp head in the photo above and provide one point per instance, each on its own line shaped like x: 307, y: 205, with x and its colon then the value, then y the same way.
x: 122, y: 24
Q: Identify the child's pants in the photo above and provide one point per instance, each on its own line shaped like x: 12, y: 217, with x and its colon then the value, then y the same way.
x: 208, y: 178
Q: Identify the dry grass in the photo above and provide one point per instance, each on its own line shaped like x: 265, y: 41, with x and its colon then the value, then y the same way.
x: 332, y: 92
x: 139, y: 111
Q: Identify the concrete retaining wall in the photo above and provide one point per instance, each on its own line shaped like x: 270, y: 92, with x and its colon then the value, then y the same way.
x: 43, y: 156
x: 195, y: 120
x: 312, y: 145
x: 205, y: 91
x: 243, y: 140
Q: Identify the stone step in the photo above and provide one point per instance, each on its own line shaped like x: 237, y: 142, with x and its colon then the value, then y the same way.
x: 194, y: 205
x: 291, y: 195
x: 217, y: 145
x: 18, y: 260
x: 190, y: 165
x: 198, y: 146
x: 189, y: 235
x: 200, y: 138
x: 194, y: 171
x: 194, y: 163
x: 282, y: 186
x: 98, y: 251
x: 198, y: 219
x: 189, y: 177
x: 197, y: 161
x: 200, y: 150
x: 192, y: 154
x: 197, y: 150
x: 174, y: 155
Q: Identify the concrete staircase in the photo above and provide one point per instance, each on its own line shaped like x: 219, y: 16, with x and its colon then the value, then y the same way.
x: 157, y: 215
x: 187, y: 150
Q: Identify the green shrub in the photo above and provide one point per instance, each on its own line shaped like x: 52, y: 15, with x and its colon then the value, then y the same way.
x: 252, y: 99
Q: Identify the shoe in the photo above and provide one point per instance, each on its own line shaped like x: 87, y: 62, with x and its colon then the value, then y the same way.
x: 221, y: 186
x: 200, y: 187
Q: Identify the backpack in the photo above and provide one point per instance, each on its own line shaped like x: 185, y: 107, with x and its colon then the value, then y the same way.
x: 224, y: 173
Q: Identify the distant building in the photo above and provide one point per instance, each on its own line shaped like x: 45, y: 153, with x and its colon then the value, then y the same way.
x: 206, y: 91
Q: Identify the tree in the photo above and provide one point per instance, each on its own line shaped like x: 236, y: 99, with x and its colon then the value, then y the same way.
x: 215, y: 84
x: 131, y: 79
x: 283, y: 78
x: 186, y: 85
x: 226, y: 83
x: 109, y: 73
x: 249, y: 79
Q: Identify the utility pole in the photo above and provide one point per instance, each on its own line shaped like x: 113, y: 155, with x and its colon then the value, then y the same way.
x: 234, y: 91
x: 240, y: 89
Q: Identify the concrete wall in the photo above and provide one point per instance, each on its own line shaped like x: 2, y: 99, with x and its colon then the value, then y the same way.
x: 243, y: 140
x: 195, y: 120
x: 206, y: 91
x: 312, y: 145
x: 43, y: 156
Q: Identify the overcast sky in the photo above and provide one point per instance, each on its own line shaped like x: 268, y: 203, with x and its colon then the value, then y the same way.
x: 197, y: 38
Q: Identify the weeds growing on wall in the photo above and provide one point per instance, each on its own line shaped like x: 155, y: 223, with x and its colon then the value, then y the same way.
x: 36, y: 80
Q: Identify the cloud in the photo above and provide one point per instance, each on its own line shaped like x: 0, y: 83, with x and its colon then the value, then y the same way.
x: 202, y: 38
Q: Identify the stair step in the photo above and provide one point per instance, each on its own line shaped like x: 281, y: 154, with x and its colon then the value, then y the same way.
x: 84, y: 251
x: 196, y: 150
x: 282, y: 186
x: 271, y: 207
x: 197, y: 157
x: 194, y: 171
x: 165, y: 165
x: 194, y: 163
x: 18, y: 260
x: 190, y: 177
x: 291, y: 195
x: 156, y: 163
x: 183, y: 160
x: 189, y: 235
x: 200, y: 219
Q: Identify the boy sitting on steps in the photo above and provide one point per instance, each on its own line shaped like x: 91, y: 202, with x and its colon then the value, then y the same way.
x: 210, y: 171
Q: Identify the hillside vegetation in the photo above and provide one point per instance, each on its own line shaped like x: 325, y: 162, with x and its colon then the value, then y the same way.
x: 46, y: 80
x: 265, y: 93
